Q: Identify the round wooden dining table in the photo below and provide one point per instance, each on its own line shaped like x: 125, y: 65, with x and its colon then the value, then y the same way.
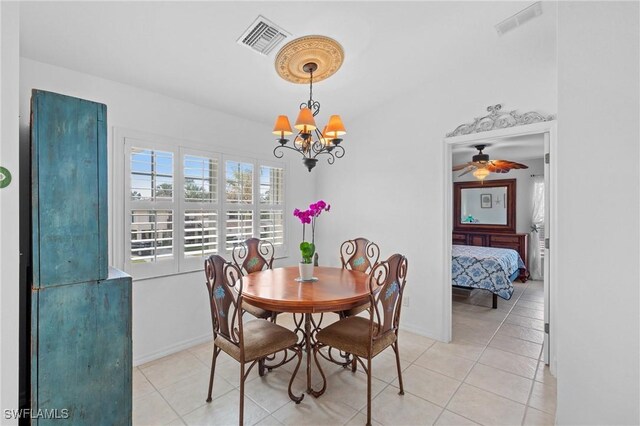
x: 335, y: 290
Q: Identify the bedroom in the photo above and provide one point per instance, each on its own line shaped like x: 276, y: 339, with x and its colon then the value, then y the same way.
x: 412, y: 73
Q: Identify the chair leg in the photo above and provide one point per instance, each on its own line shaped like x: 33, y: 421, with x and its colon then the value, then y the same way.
x: 216, y: 350
x: 261, y: 367
x: 241, y: 393
x: 354, y: 365
x: 396, y: 349
x: 369, y: 391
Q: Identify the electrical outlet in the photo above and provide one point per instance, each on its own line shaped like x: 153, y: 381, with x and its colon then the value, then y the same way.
x: 405, y: 301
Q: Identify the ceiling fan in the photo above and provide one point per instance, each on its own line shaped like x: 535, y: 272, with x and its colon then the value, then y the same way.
x: 481, y: 166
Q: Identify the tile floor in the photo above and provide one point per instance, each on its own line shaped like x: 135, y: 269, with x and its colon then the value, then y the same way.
x: 490, y: 374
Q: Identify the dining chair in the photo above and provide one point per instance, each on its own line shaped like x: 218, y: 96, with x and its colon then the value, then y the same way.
x: 254, y: 255
x: 364, y: 338
x: 249, y: 342
x: 360, y: 255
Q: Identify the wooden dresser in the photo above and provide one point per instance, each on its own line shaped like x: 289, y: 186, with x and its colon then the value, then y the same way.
x: 517, y: 242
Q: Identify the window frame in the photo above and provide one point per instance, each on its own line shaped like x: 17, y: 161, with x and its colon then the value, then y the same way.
x: 122, y: 203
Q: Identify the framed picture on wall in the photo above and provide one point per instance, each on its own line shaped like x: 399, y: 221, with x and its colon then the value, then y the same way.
x: 485, y: 201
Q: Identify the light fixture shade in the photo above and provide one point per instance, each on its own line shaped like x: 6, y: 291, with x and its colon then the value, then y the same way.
x: 305, y: 120
x: 335, y: 127
x: 482, y: 173
x: 282, y: 126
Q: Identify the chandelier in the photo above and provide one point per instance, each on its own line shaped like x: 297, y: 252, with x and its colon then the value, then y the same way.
x: 296, y: 62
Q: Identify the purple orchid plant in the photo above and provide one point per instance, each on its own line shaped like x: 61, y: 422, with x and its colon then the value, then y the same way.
x: 308, y: 217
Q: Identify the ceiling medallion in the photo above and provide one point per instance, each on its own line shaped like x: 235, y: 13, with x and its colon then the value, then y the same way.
x: 325, y: 52
x: 306, y: 60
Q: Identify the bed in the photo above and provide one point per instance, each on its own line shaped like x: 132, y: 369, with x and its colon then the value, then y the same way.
x: 487, y: 268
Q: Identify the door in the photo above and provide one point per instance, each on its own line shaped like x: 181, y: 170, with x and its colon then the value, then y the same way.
x: 545, y: 273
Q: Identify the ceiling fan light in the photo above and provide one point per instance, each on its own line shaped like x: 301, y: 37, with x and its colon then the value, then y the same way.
x: 335, y: 127
x: 481, y: 174
x: 305, y: 120
x: 282, y: 126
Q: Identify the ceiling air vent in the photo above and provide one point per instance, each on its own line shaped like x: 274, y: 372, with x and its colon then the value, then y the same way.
x: 263, y: 36
x: 519, y: 18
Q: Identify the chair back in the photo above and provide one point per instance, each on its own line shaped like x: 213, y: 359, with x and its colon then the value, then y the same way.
x: 386, y: 285
x: 225, y: 298
x: 359, y: 254
x: 253, y: 255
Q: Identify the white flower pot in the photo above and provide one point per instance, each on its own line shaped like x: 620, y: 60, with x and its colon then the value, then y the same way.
x: 306, y: 271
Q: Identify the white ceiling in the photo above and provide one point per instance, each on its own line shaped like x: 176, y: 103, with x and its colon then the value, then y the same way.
x: 188, y: 50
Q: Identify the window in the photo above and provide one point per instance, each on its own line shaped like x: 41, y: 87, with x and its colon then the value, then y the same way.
x: 183, y: 205
x: 201, y: 208
x: 239, y: 201
x: 271, y: 204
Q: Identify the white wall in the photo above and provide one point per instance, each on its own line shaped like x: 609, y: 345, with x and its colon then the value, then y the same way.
x: 598, y: 348
x: 9, y: 247
x: 389, y: 187
x: 524, y: 189
x: 169, y: 313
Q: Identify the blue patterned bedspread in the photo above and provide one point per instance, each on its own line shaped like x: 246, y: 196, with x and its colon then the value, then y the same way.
x: 487, y: 268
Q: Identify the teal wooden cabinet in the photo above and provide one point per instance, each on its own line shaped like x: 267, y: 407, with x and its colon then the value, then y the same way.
x: 80, y: 318
x: 69, y: 189
x: 83, y: 357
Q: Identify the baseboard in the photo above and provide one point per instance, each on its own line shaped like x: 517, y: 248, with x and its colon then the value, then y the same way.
x: 185, y: 344
x: 421, y: 332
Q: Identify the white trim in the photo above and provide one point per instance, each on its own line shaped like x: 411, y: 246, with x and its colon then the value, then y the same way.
x: 180, y: 346
x: 549, y: 127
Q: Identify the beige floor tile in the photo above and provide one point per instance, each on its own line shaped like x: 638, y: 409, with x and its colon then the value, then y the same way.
x: 351, y: 389
x: 543, y: 397
x: 517, y: 346
x: 389, y: 408
x: 459, y: 348
x: 500, y: 382
x: 477, y: 336
x: 361, y: 419
x: 508, y: 361
x: 530, y: 304
x: 225, y: 411
x: 412, y: 345
x: 525, y: 322
x: 448, y: 418
x: 229, y: 369
x: 152, y: 410
x: 544, y: 374
x: 486, y: 314
x: 269, y: 421
x: 203, y: 352
x: 532, y: 296
x: 449, y: 365
x: 141, y: 385
x: 384, y: 366
x: 524, y: 333
x: 529, y: 313
x: 176, y: 422
x: 314, y: 411
x: 271, y: 391
x: 485, y: 407
x: 188, y: 394
x: 172, y: 369
x: 535, y: 417
x: 429, y: 385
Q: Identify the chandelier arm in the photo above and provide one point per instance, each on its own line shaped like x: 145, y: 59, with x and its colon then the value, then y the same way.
x: 331, y: 158
x: 279, y: 154
x: 339, y: 151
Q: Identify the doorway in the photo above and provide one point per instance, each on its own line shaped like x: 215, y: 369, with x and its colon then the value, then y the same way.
x: 536, y: 141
